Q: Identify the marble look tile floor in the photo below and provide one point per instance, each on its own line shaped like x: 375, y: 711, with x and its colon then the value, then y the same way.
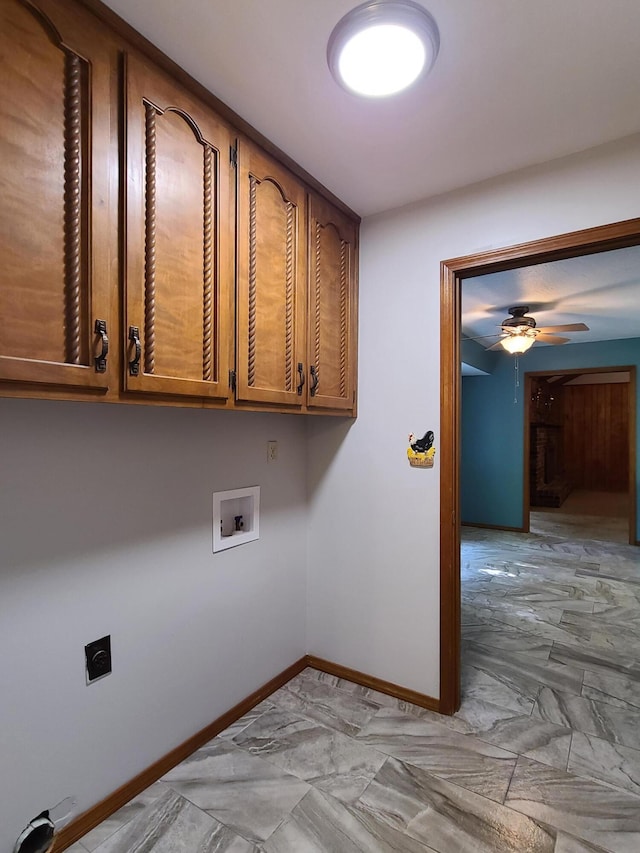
x: 542, y: 757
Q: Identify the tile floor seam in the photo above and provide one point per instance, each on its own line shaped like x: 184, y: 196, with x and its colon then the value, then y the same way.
x: 506, y: 793
x: 569, y: 753
x: 233, y: 829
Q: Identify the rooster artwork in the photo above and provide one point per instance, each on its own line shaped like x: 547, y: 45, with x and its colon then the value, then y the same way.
x: 421, y: 451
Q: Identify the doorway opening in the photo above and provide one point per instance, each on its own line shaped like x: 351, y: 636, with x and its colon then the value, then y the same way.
x: 578, y: 479
x: 453, y: 273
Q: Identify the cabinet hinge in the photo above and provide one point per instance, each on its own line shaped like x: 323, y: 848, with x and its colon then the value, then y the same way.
x: 233, y: 156
x: 232, y: 380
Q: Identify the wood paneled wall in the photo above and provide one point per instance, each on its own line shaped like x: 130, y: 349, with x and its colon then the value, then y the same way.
x: 596, y: 436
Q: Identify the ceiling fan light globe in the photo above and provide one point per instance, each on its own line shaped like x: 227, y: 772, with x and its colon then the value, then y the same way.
x: 517, y: 344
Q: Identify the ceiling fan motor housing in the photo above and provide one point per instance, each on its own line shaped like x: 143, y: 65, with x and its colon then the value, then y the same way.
x: 518, y: 320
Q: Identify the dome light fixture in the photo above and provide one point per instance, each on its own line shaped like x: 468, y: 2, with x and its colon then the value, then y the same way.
x: 382, y: 47
x: 520, y: 341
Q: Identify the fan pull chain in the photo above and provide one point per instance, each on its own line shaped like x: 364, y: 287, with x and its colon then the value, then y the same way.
x: 517, y: 379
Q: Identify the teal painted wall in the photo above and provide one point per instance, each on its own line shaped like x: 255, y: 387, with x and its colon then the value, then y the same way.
x: 474, y: 354
x: 492, y: 464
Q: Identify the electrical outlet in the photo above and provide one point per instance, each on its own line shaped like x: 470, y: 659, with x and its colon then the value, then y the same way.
x: 272, y: 451
x: 98, y: 658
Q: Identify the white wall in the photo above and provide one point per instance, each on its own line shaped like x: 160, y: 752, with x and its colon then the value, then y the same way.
x: 373, y: 595
x: 105, y: 528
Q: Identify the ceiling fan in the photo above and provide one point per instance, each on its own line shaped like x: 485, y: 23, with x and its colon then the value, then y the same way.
x: 519, y: 332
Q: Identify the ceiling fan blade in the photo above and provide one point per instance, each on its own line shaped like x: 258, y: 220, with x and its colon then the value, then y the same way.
x: 568, y: 327
x: 551, y: 339
x: 497, y: 345
x: 480, y: 337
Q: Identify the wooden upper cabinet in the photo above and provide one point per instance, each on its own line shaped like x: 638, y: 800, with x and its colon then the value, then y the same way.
x: 332, y: 307
x: 180, y: 237
x: 54, y: 162
x: 271, y: 278
x: 226, y: 262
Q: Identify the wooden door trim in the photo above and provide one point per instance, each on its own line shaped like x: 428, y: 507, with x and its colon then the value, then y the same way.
x: 634, y: 532
x: 526, y: 447
x: 452, y: 272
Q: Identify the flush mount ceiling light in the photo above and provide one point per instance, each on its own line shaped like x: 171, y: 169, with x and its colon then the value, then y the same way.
x: 382, y: 47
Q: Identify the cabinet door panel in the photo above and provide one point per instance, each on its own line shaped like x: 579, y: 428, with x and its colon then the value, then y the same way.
x: 54, y: 113
x: 179, y: 238
x: 271, y: 275
x: 332, y: 309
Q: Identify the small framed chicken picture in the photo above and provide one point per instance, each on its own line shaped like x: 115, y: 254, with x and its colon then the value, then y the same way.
x: 421, y: 451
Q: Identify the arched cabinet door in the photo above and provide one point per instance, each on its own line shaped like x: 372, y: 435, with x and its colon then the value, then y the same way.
x: 56, y: 283
x: 270, y: 307
x: 179, y: 240
x: 332, y: 307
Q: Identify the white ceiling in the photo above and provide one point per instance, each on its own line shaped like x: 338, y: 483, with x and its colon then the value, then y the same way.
x: 517, y: 82
x: 600, y: 290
